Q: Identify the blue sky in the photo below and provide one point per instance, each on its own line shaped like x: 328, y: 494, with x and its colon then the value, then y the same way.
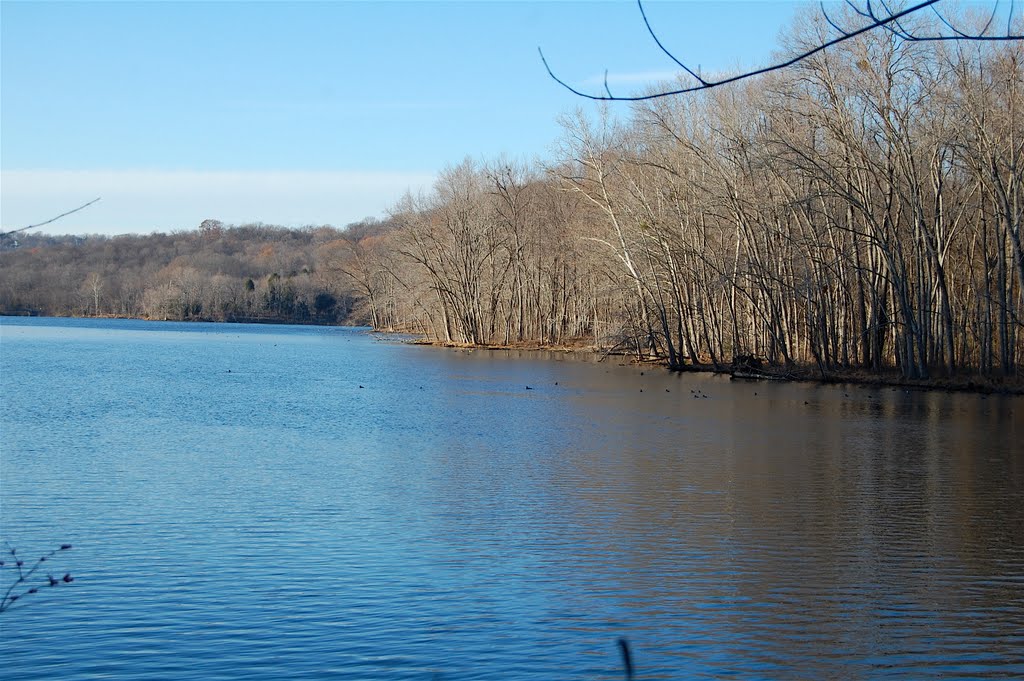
x: 302, y: 113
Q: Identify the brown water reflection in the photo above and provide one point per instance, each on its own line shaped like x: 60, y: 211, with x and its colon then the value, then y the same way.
x: 791, y: 530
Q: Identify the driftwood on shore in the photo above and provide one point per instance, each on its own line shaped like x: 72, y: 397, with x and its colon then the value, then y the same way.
x: 754, y: 368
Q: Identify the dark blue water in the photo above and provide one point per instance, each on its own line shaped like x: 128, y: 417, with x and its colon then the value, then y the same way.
x: 270, y: 502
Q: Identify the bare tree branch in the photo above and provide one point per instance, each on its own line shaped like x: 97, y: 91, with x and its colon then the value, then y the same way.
x: 75, y: 210
x: 953, y: 28
x: 902, y: 33
x: 662, y: 47
x: 25, y: 573
x: 889, y: 20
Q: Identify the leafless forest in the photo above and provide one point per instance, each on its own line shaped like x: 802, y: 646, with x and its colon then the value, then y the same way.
x: 860, y: 210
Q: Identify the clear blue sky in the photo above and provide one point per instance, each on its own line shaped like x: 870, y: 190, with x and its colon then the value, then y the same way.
x: 309, y: 112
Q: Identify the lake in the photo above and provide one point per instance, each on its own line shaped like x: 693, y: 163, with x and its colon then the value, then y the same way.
x: 280, y: 502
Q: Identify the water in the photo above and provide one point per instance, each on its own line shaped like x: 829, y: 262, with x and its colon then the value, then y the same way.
x: 261, y: 502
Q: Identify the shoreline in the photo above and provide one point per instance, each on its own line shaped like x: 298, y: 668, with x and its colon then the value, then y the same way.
x: 799, y: 374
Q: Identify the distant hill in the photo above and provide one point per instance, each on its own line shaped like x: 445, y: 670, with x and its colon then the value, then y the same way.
x: 218, y: 273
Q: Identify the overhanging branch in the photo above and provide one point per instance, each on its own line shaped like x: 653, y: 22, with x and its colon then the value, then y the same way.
x: 888, y: 20
x: 73, y: 210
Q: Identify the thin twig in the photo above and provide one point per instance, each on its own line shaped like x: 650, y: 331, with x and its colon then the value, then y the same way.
x: 9, y: 598
x: 627, y: 658
x: 707, y: 85
x: 890, y: 22
x: 671, y: 56
x: 75, y: 210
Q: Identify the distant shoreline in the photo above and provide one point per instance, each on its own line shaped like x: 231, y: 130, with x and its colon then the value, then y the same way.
x: 798, y: 374
x: 271, y: 321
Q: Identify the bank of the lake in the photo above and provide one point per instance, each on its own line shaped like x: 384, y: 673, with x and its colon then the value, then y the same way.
x: 1009, y: 385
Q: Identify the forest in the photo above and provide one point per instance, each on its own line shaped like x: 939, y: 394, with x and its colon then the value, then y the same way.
x: 251, y: 273
x: 858, y: 211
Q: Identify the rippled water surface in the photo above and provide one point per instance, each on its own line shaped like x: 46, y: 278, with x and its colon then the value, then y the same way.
x: 302, y: 503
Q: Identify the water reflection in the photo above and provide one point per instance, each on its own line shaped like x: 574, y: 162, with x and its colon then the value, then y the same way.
x: 281, y: 521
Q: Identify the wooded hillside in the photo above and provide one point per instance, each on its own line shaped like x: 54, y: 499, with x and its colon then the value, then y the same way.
x: 249, y: 273
x: 861, y: 209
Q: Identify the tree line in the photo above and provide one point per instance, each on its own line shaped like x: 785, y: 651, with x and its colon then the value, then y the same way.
x: 859, y: 210
x: 215, y: 273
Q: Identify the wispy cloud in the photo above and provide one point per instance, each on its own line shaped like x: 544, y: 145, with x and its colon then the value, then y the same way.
x: 159, y: 200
